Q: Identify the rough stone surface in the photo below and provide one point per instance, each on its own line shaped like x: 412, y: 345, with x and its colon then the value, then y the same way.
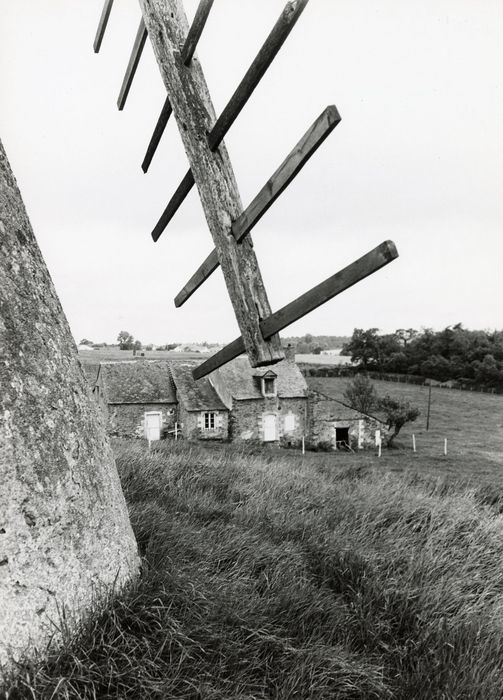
x: 247, y: 419
x: 65, y: 537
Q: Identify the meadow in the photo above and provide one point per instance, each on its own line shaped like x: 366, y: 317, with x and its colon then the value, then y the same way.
x: 471, y: 422
x: 267, y: 574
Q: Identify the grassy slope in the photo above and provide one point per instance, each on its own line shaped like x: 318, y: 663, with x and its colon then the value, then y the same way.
x: 272, y: 576
x: 471, y: 422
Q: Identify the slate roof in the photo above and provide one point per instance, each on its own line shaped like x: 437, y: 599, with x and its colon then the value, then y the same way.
x: 238, y: 377
x: 137, y: 382
x: 194, y: 395
x: 342, y: 411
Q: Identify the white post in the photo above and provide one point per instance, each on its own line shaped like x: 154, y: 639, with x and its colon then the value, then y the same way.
x: 176, y: 431
x: 445, y: 446
x: 413, y: 442
x: 303, y: 446
x: 149, y: 442
x: 379, y: 453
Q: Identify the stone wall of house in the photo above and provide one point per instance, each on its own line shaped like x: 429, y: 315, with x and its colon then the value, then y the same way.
x: 128, y: 420
x: 247, y: 419
x: 324, y: 416
x: 193, y: 425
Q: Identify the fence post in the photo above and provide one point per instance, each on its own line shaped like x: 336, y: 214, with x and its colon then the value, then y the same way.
x: 413, y: 442
x: 303, y: 446
x: 445, y: 446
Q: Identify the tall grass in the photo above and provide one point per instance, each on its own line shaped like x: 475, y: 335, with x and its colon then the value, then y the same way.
x: 268, y: 576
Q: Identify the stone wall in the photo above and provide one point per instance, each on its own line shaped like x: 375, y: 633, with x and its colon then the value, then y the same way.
x: 193, y: 425
x: 325, y: 415
x: 127, y: 420
x: 247, y: 419
x: 65, y: 537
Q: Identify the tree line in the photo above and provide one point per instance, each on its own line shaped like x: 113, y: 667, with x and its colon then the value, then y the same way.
x: 454, y: 353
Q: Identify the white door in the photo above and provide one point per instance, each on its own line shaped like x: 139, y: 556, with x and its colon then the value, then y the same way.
x: 153, y: 422
x: 269, y: 428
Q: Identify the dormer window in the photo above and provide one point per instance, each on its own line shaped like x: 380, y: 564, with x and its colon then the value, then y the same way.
x: 269, y: 384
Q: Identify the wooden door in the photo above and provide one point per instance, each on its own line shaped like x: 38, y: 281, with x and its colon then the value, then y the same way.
x: 153, y: 423
x: 269, y: 428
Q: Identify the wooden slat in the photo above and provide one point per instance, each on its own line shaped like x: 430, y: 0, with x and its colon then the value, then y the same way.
x: 196, y: 29
x: 263, y: 60
x: 289, y: 168
x: 331, y: 287
x: 283, y: 176
x: 212, y: 172
x: 156, y: 136
x: 100, y: 32
x: 139, y: 43
x: 188, y: 50
x: 182, y: 191
x: 201, y: 275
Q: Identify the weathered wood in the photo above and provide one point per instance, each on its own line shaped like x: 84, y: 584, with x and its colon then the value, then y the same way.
x: 139, y: 43
x: 181, y: 192
x: 263, y: 60
x: 100, y: 32
x: 201, y: 275
x: 194, y: 113
x: 188, y: 50
x: 156, y: 136
x: 289, y: 168
x: 196, y: 29
x: 323, y: 292
x: 283, y: 176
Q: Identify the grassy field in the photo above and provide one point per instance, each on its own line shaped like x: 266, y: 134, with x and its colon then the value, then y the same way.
x: 271, y: 575
x: 471, y: 422
x: 94, y: 357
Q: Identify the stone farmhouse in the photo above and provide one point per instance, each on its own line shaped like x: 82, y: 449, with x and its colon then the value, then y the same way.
x: 155, y: 399
x: 137, y: 398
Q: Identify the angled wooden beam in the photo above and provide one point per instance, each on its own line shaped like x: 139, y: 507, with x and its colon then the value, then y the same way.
x: 139, y: 43
x: 195, y: 31
x: 291, y: 166
x: 181, y: 192
x: 323, y: 292
x: 156, y: 136
x: 194, y: 113
x: 243, y: 92
x: 200, y: 276
x: 100, y: 32
x: 255, y: 72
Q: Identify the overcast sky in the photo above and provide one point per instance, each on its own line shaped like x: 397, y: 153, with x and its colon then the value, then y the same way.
x: 417, y: 157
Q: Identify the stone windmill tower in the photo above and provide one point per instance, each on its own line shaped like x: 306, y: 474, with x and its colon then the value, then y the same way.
x: 65, y: 536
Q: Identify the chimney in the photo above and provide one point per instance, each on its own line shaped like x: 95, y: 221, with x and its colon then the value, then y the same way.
x: 290, y: 353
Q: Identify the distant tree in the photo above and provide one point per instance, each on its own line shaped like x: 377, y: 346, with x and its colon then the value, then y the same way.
x: 363, y: 347
x: 84, y: 341
x: 397, y: 413
x: 149, y: 347
x: 361, y: 395
x: 137, y: 345
x: 125, y: 340
x: 308, y: 338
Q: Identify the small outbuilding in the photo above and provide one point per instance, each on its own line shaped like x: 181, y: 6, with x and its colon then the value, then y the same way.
x: 138, y: 398
x: 333, y: 424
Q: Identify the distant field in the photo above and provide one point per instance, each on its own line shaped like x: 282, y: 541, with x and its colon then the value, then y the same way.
x: 323, y: 359
x: 92, y: 357
x: 471, y: 422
